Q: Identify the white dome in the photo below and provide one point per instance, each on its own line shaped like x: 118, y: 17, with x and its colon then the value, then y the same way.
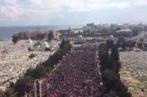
x: 111, y: 37
x: 46, y: 44
x: 80, y: 37
x: 30, y: 41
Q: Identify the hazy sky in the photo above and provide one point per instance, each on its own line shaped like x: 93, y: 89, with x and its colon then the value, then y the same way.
x: 68, y: 12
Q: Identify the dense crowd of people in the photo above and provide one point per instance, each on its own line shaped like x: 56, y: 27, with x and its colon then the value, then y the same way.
x: 76, y: 75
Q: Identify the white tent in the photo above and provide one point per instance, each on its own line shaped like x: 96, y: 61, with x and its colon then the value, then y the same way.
x: 30, y: 41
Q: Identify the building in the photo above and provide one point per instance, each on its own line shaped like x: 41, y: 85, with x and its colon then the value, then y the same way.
x: 41, y: 46
x: 124, y: 32
x: 56, y: 35
x: 79, y: 39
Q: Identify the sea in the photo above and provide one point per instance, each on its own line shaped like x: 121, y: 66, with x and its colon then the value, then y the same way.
x: 6, y: 33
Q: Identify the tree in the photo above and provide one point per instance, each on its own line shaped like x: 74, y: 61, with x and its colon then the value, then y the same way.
x: 1, y: 94
x: 114, y: 52
x: 121, y: 42
x: 109, y: 44
x: 10, y: 92
x: 23, y: 85
x: 50, y: 35
x: 104, y: 57
x: 14, y: 39
x: 110, y: 66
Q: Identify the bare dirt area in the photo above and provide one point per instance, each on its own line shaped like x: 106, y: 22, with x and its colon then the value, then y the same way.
x: 134, y: 72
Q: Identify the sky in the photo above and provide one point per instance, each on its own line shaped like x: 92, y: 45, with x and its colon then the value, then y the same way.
x: 71, y: 12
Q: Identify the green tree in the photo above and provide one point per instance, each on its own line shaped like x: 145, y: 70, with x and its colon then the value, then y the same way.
x: 50, y: 35
x: 15, y: 39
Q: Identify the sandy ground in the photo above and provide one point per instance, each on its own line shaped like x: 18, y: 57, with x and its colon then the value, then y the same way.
x: 14, y: 60
x: 134, y: 66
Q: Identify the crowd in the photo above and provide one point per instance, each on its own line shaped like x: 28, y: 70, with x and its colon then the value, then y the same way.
x: 76, y: 75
